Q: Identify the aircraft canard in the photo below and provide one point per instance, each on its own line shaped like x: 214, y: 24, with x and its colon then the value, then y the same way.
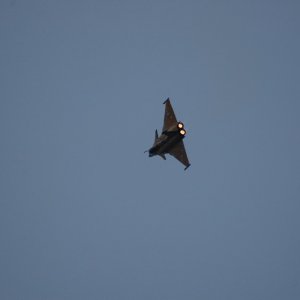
x: 171, y: 139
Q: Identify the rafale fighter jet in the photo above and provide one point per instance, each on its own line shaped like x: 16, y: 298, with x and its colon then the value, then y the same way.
x: 171, y: 139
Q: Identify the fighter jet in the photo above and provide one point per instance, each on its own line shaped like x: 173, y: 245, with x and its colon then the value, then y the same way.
x: 171, y: 139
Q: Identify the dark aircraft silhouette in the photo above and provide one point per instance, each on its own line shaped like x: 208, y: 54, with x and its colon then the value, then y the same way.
x: 171, y: 139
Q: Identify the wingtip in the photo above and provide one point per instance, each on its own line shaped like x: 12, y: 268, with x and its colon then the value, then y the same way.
x: 187, y: 166
x: 166, y: 101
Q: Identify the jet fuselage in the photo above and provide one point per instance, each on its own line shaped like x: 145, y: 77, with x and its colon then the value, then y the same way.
x: 165, y: 142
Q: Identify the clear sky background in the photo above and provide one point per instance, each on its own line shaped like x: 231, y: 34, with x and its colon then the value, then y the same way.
x: 85, y: 214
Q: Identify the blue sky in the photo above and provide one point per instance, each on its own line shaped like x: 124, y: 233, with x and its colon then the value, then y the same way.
x: 84, y: 213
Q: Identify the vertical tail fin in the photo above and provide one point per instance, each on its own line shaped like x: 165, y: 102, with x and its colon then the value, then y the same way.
x: 155, y: 138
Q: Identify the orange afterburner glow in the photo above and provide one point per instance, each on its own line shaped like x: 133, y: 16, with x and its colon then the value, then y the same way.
x: 180, y: 125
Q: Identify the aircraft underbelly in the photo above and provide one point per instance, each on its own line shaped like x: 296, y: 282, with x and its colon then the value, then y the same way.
x: 170, y: 143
